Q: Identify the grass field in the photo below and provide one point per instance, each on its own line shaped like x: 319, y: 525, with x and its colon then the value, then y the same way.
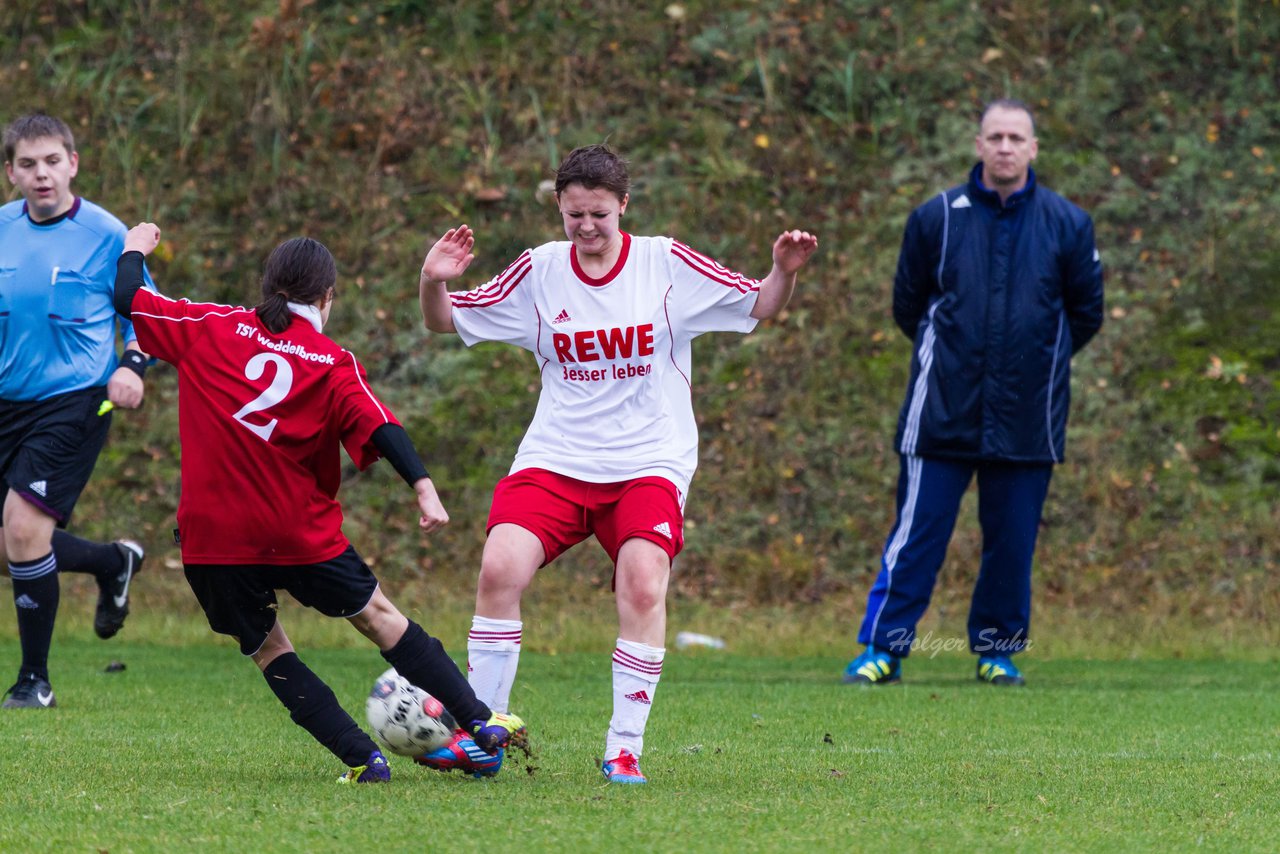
x: 187, y: 750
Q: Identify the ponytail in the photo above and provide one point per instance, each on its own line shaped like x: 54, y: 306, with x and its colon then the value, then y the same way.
x: 274, y: 313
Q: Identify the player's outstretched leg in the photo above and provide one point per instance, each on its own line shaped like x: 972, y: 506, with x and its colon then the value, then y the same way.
x: 313, y: 706
x: 113, y: 589
x: 421, y: 659
x: 461, y: 753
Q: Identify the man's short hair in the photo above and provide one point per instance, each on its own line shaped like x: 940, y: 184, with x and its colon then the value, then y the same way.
x: 36, y: 126
x: 1007, y: 104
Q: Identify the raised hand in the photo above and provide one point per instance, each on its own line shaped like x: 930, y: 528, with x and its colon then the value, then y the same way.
x: 450, y: 256
x: 143, y: 237
x: 792, y: 250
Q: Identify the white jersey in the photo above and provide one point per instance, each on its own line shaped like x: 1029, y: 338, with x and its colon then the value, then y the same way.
x: 613, y: 352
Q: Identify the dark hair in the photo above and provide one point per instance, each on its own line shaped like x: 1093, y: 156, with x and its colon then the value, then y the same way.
x: 36, y: 126
x: 1007, y: 104
x: 298, y: 270
x: 594, y: 166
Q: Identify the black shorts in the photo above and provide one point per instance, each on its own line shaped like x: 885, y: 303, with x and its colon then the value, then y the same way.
x: 48, y: 448
x: 240, y: 599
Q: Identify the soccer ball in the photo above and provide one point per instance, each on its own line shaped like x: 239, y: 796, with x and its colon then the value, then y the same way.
x: 407, y: 720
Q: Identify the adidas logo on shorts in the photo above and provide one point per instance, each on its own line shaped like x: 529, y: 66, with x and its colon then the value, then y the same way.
x: 39, y: 487
x: 664, y: 529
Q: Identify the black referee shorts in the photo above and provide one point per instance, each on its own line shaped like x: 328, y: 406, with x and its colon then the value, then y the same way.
x: 240, y: 599
x: 48, y: 448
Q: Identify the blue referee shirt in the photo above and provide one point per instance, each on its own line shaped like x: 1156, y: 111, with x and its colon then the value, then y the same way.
x: 57, y: 322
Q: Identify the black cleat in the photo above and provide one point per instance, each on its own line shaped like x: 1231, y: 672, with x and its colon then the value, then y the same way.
x: 113, y: 592
x: 30, y: 692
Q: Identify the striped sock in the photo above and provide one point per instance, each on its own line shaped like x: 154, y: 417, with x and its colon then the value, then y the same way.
x: 36, y: 592
x: 493, y: 655
x: 636, y: 670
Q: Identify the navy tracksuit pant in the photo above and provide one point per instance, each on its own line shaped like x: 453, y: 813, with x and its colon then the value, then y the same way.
x: 1010, y: 499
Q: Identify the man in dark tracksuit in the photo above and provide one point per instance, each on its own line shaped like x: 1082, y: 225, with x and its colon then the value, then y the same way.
x: 999, y: 283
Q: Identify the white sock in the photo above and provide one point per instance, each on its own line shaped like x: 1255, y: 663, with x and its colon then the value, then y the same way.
x: 636, y: 670
x: 493, y: 654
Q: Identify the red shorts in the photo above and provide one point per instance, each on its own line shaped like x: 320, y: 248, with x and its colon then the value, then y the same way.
x: 562, y: 511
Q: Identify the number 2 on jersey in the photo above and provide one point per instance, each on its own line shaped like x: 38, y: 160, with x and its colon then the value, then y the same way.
x: 271, y: 395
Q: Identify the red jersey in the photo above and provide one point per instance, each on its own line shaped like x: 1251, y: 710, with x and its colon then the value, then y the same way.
x: 260, y: 417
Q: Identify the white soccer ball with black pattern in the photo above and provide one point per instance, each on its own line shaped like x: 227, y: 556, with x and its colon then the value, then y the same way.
x: 407, y: 720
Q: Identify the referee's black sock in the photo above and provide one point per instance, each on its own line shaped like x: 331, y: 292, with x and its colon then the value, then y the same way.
x: 35, y: 594
x: 422, y: 660
x: 78, y: 555
x: 313, y: 707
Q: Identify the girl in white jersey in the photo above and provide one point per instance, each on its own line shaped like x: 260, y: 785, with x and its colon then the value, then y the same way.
x: 613, y: 443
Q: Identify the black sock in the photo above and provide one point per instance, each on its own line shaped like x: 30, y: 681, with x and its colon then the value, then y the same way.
x: 421, y: 659
x: 77, y: 555
x: 35, y: 597
x: 313, y: 707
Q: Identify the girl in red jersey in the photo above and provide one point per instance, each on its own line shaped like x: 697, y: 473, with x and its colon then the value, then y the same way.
x: 613, y: 443
x: 264, y: 401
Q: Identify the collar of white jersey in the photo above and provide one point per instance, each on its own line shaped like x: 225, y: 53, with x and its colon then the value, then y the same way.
x: 309, y: 313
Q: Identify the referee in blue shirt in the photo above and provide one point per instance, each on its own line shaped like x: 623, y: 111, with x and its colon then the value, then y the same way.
x: 60, y: 378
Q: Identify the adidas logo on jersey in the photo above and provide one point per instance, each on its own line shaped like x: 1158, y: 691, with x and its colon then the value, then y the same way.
x: 962, y: 201
x: 664, y: 529
x: 39, y: 487
x: 25, y: 601
x: 562, y: 317
x: 640, y: 696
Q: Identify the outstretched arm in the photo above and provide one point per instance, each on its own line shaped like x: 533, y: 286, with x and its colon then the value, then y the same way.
x: 393, y: 442
x: 125, y: 386
x: 790, y: 252
x: 447, y: 259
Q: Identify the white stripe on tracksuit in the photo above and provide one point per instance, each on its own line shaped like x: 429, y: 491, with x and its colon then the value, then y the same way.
x: 900, y: 536
x: 1053, y: 375
x: 911, y: 431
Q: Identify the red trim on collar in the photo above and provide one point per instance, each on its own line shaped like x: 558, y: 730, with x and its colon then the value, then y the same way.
x: 613, y: 272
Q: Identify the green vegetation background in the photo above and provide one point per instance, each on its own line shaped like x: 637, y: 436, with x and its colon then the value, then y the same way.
x: 375, y: 126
